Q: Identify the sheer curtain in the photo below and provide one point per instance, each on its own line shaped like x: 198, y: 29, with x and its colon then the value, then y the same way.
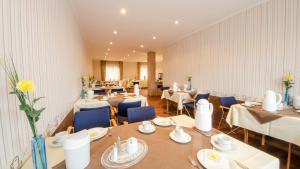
x: 143, y: 71
x: 112, y: 71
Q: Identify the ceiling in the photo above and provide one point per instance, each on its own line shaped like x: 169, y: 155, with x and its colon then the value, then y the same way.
x: 98, y: 19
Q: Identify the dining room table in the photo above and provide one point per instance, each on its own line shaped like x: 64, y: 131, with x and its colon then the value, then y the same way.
x: 179, y: 97
x: 163, y: 152
x: 282, y: 124
x: 112, y: 100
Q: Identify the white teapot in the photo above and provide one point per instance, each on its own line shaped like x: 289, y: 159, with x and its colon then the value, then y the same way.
x: 203, y: 119
x: 175, y: 87
x: 271, y: 101
x: 136, y: 90
x: 90, y: 94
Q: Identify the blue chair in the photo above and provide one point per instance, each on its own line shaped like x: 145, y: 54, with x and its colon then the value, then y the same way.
x: 95, y: 108
x: 100, y: 91
x: 122, y: 110
x: 92, y: 118
x: 140, y: 114
x: 225, y: 103
x: 118, y: 90
x: 193, y: 105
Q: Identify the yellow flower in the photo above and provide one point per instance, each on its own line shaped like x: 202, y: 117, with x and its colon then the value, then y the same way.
x: 26, y: 86
x: 289, y: 77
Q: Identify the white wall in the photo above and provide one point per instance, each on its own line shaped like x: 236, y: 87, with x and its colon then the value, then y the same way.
x: 242, y: 55
x: 130, y: 70
x: 43, y: 39
x: 159, y: 68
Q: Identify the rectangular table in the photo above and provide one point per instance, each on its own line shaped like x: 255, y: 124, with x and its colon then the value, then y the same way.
x: 162, y: 151
x: 93, y: 103
x: 285, y: 128
x: 178, y: 97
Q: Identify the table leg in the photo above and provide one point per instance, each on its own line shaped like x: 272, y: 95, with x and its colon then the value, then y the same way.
x: 289, y: 156
x: 263, y: 140
x: 246, y: 136
x: 167, y: 106
x: 177, y: 111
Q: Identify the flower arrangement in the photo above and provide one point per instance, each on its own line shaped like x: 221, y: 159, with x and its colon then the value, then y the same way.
x: 288, y: 83
x: 24, y: 91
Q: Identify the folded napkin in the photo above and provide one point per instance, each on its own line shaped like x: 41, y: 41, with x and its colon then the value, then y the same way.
x: 193, y: 93
x: 114, y: 101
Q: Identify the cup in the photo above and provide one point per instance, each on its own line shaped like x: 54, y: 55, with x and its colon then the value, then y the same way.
x: 132, y: 145
x: 178, y: 132
x: 61, y: 136
x: 224, y: 141
x: 147, y: 125
x: 248, y: 103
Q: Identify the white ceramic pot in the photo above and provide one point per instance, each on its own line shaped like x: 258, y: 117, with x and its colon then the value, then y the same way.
x: 203, y: 119
x: 271, y: 101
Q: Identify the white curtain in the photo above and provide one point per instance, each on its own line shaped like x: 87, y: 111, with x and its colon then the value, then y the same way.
x: 112, y: 71
x: 143, y: 71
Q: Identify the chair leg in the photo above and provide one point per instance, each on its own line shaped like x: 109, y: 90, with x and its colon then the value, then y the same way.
x: 186, y: 111
x: 221, y: 119
x: 289, y: 156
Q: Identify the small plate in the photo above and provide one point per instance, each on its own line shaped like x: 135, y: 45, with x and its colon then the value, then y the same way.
x: 96, y: 133
x: 55, y: 144
x: 213, y: 159
x: 164, y: 122
x: 186, y: 138
x: 142, y: 130
x: 214, y: 142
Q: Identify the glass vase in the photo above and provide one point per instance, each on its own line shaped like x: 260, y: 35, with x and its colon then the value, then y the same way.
x: 39, y: 152
x: 287, y: 97
x: 189, y: 85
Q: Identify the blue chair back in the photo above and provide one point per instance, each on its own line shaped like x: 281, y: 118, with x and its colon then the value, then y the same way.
x: 118, y: 90
x: 99, y: 91
x: 140, y: 114
x: 122, y: 107
x: 92, y: 118
x: 201, y: 96
x: 95, y: 108
x: 228, y: 101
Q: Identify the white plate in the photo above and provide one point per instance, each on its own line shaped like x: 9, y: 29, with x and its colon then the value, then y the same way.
x: 55, y: 144
x: 160, y: 121
x: 214, y: 142
x: 186, y: 138
x: 96, y: 133
x: 213, y: 160
x: 141, y: 129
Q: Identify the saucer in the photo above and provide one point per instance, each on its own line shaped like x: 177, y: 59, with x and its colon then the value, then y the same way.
x: 96, y: 133
x: 164, y: 122
x: 213, y: 159
x: 55, y: 144
x: 214, y: 142
x: 186, y: 138
x: 151, y: 130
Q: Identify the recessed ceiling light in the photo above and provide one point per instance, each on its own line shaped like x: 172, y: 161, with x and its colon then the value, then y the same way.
x: 133, y: 51
x: 123, y: 11
x: 142, y: 46
x: 106, y: 53
x: 110, y: 43
x: 154, y: 37
x: 108, y: 49
x: 128, y: 55
x: 176, y: 22
x: 115, y: 32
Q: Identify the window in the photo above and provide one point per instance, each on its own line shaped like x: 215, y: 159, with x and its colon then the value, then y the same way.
x: 143, y: 71
x: 112, y: 71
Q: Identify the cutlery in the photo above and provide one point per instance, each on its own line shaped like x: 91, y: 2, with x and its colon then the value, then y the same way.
x: 241, y: 165
x: 172, y: 120
x: 193, y: 162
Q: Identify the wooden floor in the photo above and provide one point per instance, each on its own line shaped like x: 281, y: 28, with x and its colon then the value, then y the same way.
x: 273, y: 146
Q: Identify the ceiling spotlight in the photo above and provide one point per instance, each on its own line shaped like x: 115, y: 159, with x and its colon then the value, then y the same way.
x: 133, y: 51
x: 108, y: 49
x: 176, y: 22
x: 128, y: 55
x: 123, y: 11
x: 115, y: 32
x: 154, y: 37
x: 142, y: 46
x: 110, y: 43
x: 106, y: 53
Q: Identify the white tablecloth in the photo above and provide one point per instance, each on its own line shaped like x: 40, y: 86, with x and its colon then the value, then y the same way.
x: 177, y: 97
x: 284, y: 128
x: 94, y: 103
x: 248, y: 155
